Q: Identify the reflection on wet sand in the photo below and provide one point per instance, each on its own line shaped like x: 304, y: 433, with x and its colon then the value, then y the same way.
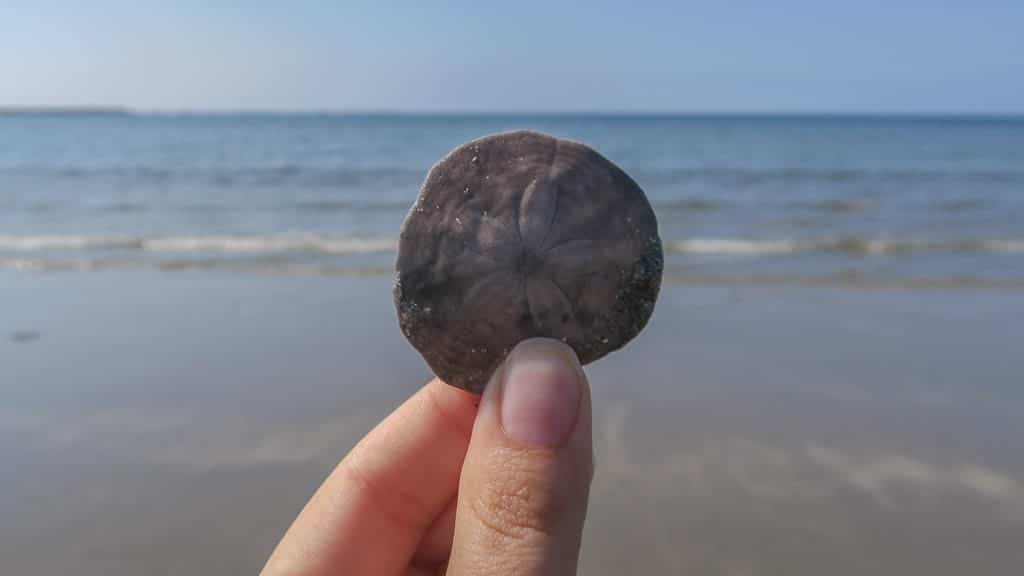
x: 808, y: 472
x: 771, y: 431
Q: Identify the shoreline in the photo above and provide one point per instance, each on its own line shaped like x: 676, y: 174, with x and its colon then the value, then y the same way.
x: 841, y: 280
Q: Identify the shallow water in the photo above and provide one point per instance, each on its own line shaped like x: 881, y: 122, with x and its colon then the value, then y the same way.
x: 176, y: 423
x: 890, y: 198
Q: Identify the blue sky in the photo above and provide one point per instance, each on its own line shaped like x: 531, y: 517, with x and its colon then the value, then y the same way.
x: 711, y: 56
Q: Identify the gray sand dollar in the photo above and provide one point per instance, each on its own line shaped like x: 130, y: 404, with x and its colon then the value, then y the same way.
x: 520, y: 235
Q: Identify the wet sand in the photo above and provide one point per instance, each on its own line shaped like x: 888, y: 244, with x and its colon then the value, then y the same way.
x: 175, y: 423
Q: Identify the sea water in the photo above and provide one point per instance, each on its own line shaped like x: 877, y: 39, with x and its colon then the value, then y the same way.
x: 738, y: 198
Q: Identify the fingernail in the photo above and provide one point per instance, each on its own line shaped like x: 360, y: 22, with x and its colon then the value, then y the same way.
x: 540, y: 393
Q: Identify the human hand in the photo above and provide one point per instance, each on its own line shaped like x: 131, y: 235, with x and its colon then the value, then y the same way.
x: 441, y: 486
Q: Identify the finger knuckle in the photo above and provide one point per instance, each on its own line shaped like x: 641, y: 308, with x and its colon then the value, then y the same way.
x: 400, y: 508
x: 518, y: 500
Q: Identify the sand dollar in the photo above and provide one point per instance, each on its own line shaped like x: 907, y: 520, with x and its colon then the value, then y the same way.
x: 520, y: 235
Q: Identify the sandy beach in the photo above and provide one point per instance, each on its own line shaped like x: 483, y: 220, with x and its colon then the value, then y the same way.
x: 175, y: 423
x: 197, y: 324
x: 205, y: 208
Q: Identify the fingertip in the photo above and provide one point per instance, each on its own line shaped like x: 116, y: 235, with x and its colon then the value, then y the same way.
x: 541, y: 391
x: 525, y: 482
x: 535, y: 398
x: 453, y: 404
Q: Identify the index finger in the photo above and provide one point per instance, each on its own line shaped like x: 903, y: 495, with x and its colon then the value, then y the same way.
x: 370, y: 514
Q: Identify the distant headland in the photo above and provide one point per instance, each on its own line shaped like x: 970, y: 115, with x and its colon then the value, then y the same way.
x: 64, y: 111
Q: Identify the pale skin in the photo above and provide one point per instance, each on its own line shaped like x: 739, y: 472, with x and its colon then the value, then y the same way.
x: 444, y: 486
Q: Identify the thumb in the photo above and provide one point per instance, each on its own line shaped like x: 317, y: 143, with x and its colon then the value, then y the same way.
x: 526, y: 478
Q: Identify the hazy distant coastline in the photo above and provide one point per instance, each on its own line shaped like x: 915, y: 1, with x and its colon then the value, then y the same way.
x: 65, y: 111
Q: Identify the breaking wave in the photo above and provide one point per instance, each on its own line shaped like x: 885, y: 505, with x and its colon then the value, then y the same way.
x: 339, y: 245
x: 256, y: 245
x: 847, y: 246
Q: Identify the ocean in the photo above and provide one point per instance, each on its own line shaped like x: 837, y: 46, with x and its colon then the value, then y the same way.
x: 875, y: 200
x: 196, y: 325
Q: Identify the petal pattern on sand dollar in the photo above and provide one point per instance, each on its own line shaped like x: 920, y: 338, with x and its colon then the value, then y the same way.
x: 551, y: 309
x: 537, y: 212
x: 520, y: 235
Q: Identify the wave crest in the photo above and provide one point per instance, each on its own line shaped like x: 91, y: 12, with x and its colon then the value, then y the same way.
x: 847, y: 246
x: 340, y: 245
x: 202, y: 244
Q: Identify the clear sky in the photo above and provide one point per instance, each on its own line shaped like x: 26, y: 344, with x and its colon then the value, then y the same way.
x: 525, y: 55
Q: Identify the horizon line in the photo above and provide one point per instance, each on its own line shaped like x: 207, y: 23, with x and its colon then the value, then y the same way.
x: 117, y: 110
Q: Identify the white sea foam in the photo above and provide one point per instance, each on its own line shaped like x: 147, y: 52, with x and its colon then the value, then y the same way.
x: 270, y: 245
x: 253, y: 245
x: 849, y: 246
x: 339, y: 245
x: 1010, y: 246
x: 40, y: 243
x: 726, y: 246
